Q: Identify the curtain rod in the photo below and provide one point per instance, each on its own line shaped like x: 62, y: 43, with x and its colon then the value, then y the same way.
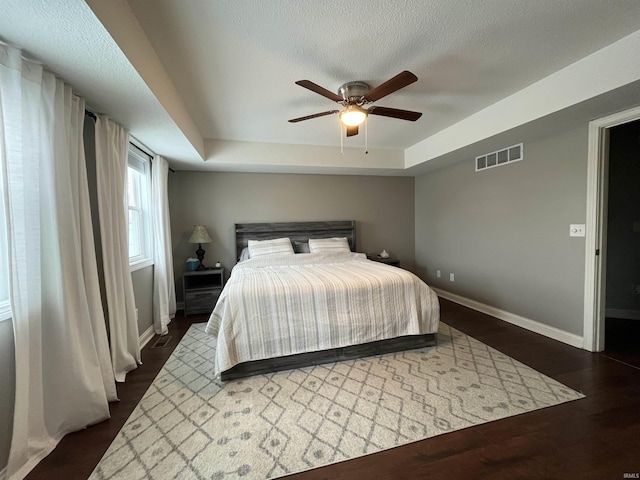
x: 92, y: 116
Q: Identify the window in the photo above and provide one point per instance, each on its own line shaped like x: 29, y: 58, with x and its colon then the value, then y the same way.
x: 138, y: 201
x: 5, y: 306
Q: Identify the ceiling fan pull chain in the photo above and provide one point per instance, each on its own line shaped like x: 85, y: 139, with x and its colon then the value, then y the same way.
x: 366, y: 136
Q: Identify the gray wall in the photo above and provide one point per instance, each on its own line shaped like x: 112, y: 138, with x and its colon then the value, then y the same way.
x: 504, y: 232
x: 143, y: 292
x: 8, y: 390
x: 383, y: 208
x: 623, y: 231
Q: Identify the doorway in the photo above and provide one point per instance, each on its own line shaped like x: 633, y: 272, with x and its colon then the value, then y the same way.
x: 596, y: 228
x: 622, y: 276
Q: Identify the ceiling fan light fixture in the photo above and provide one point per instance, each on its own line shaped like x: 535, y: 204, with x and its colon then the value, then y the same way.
x: 353, y: 115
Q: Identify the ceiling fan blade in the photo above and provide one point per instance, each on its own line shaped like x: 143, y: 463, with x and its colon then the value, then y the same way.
x: 395, y: 113
x: 352, y: 131
x: 315, y: 115
x: 319, y: 90
x: 396, y: 83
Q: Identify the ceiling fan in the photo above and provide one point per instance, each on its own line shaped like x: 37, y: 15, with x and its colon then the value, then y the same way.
x: 354, y: 95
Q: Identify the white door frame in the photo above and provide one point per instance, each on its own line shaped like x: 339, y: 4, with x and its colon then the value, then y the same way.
x: 595, y: 265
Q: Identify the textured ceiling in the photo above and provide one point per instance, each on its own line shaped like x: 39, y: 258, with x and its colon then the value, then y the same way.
x: 68, y: 38
x: 196, y: 79
x: 235, y: 62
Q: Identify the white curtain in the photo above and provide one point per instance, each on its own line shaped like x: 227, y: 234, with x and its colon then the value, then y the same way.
x: 164, y: 292
x: 112, y: 143
x: 63, y: 372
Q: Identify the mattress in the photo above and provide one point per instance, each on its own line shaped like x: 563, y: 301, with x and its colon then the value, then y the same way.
x: 274, y: 306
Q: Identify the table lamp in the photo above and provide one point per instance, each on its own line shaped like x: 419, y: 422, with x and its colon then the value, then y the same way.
x: 200, y: 236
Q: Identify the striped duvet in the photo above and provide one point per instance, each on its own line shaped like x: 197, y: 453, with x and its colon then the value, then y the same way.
x: 274, y: 306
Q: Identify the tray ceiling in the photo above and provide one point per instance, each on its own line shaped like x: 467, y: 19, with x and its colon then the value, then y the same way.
x: 209, y: 73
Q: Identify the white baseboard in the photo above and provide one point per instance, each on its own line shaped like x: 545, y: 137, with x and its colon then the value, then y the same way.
x: 526, y: 323
x: 146, y: 336
x: 624, y: 314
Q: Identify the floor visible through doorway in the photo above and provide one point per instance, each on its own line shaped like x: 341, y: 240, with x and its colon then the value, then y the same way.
x: 622, y: 340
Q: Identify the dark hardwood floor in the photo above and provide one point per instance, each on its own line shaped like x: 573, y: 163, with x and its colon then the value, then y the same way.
x: 597, y: 437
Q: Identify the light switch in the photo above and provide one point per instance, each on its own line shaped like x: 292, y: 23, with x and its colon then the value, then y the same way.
x: 576, y: 230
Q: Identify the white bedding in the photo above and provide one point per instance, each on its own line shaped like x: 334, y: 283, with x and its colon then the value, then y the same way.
x: 274, y: 306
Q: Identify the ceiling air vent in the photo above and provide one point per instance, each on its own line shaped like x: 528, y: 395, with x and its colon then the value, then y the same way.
x: 500, y: 157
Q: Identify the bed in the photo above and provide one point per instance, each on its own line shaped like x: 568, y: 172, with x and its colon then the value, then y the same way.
x: 283, y: 311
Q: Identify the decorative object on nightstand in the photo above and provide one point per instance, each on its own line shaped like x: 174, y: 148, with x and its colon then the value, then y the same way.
x: 200, y: 236
x: 201, y: 290
x: 384, y: 254
x: 192, y: 264
x: 218, y: 264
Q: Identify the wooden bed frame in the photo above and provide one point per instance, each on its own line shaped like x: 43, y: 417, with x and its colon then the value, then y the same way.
x: 301, y: 232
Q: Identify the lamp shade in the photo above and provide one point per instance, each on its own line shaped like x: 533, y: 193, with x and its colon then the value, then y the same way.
x: 200, y: 235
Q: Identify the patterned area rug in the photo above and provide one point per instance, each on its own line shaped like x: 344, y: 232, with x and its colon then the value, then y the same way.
x: 189, y: 426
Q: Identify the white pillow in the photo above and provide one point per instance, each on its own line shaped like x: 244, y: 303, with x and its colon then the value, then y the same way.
x: 335, y: 244
x: 277, y: 246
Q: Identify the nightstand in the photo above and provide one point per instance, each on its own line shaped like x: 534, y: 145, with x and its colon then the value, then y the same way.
x: 394, y: 262
x: 201, y: 290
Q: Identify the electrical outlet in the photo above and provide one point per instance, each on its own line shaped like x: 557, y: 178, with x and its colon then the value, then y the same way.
x: 438, y: 273
x: 451, y: 277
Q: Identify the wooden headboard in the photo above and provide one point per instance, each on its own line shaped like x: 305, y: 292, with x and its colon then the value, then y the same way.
x: 296, y: 231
